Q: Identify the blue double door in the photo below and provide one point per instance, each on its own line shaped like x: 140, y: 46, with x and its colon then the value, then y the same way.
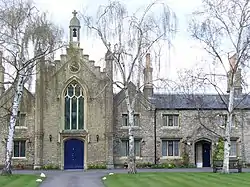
x: 73, y: 154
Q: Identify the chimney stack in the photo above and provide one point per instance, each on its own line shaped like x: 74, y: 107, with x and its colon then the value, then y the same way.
x: 148, y: 79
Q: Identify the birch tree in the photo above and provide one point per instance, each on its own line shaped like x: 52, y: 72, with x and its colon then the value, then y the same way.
x: 223, y: 28
x: 128, y: 38
x: 24, y: 30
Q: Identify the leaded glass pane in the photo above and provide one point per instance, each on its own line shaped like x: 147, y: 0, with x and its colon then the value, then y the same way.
x: 16, y: 149
x: 233, y: 149
x: 137, y: 148
x: 22, y: 149
x: 164, y: 148
x: 70, y: 90
x: 176, y: 121
x: 124, y: 120
x: 170, y: 148
x: 136, y: 120
x: 170, y: 121
x: 77, y: 90
x: 22, y: 119
x: 176, y: 148
x: 73, y: 113
x: 124, y: 148
x: 80, y: 113
x: 67, y: 113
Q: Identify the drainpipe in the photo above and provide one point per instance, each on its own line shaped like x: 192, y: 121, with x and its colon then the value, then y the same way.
x: 242, y: 138
x: 155, y: 135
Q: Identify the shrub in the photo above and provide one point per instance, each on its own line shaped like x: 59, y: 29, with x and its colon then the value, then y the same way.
x: 219, y: 150
x: 144, y: 165
x: 97, y: 166
x: 50, y: 167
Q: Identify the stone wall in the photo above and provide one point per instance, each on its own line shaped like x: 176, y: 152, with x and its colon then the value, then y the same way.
x: 145, y: 131
x: 192, y: 130
x: 21, y: 133
x: 94, y: 111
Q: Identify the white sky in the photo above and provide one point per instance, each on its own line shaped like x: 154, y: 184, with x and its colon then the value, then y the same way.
x: 186, y: 53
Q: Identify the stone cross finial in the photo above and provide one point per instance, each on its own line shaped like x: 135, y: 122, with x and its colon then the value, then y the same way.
x: 74, y: 13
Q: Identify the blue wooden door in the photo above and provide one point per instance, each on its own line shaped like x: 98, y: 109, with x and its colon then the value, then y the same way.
x: 73, y: 154
x: 206, y: 154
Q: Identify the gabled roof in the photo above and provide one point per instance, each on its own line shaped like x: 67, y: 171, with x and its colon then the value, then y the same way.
x: 120, y: 96
x: 195, y: 101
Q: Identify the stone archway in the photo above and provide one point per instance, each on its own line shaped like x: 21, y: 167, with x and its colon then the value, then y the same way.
x: 203, y: 153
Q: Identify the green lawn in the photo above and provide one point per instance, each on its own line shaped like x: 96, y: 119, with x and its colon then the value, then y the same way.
x: 178, y: 180
x: 18, y: 181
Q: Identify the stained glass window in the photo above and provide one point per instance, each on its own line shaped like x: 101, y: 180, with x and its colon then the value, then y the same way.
x: 74, y: 107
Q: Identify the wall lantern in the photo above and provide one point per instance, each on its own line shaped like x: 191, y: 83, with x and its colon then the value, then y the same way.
x: 97, y: 138
x: 50, y: 138
x: 29, y: 142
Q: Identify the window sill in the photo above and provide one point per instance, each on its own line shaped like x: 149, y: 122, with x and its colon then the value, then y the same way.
x: 21, y: 127
x: 125, y: 157
x: 173, y: 127
x: 19, y: 158
x: 232, y: 156
x: 171, y: 157
x: 133, y: 127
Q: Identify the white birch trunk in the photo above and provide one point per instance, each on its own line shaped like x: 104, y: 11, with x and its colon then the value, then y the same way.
x: 131, y: 157
x: 227, y: 141
x: 9, y: 148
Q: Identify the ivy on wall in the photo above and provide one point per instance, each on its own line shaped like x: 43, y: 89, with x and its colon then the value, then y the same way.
x: 219, y: 150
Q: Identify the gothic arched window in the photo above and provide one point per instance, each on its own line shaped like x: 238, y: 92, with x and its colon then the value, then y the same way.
x: 74, y: 107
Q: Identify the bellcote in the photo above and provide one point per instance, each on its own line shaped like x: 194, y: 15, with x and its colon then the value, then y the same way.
x: 74, y: 29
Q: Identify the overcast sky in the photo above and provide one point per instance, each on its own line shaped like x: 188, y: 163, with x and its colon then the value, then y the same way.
x: 184, y: 52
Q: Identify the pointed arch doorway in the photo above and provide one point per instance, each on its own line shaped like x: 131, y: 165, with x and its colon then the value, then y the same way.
x: 203, y: 153
x: 73, y: 154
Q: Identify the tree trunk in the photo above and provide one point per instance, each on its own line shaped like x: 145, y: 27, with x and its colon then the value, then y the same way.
x: 131, y: 157
x: 17, y: 98
x: 227, y: 141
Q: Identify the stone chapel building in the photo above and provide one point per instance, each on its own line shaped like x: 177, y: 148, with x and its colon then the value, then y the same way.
x: 74, y: 119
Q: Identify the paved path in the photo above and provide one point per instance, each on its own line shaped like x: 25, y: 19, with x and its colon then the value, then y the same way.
x: 92, y: 178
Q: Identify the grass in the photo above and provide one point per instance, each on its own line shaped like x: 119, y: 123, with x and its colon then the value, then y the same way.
x: 19, y: 181
x: 178, y: 180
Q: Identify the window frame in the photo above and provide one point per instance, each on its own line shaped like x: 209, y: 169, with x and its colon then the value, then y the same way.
x: 18, y: 120
x: 72, y: 101
x: 175, y: 119
x: 174, y: 143
x: 126, y: 151
x: 136, y: 120
x: 224, y: 116
x: 19, y: 149
x: 234, y: 143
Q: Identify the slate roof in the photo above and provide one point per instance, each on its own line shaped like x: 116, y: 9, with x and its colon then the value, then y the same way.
x: 183, y: 101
